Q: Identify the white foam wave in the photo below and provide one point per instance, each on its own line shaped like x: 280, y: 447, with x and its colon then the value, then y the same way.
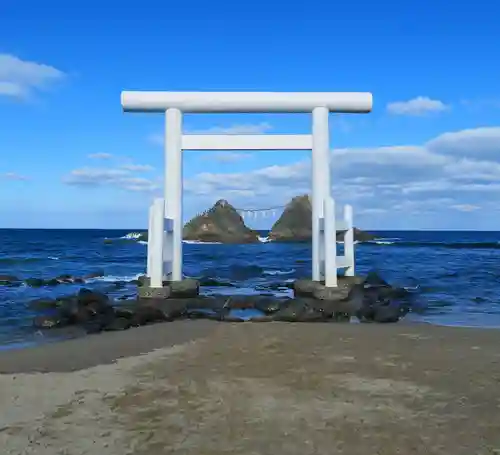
x: 53, y: 258
x: 263, y: 239
x: 198, y: 242
x: 114, y: 278
x: 132, y: 236
x: 278, y: 272
x: 382, y: 242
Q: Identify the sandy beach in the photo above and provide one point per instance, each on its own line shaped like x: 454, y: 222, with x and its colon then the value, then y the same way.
x: 200, y: 387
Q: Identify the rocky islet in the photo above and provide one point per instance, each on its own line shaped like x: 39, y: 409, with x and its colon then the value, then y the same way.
x: 223, y: 224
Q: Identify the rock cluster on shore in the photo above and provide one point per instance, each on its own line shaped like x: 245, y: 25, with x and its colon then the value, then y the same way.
x: 369, y: 300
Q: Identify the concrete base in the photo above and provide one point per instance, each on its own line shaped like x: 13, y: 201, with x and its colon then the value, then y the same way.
x: 318, y: 290
x: 187, y: 288
x: 146, y: 292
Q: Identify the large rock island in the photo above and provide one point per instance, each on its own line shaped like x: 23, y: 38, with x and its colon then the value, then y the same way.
x: 295, y: 224
x: 222, y: 223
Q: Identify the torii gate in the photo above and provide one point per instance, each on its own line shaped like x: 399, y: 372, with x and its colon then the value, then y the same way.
x: 165, y: 226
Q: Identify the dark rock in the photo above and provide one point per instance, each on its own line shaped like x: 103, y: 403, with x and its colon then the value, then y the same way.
x: 127, y: 313
x: 276, y: 286
x: 216, y: 303
x: 96, y: 274
x: 126, y: 297
x: 146, y: 314
x: 35, y: 282
x: 269, y: 305
x: 386, y: 314
x: 221, y: 223
x: 82, y: 315
x: 359, y: 236
x: 93, y: 326
x: 305, y: 288
x: 298, y: 310
x: 118, y: 324
x: 240, y: 302
x: 295, y: 224
x: 68, y: 307
x: 99, y: 308
x: 86, y: 296
x: 206, y: 281
x: 52, y: 282
x: 49, y: 322
x: 184, y: 289
x: 43, y: 304
x: 169, y: 309
x: 373, y: 279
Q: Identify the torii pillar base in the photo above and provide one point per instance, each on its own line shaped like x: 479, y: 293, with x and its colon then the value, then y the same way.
x: 185, y: 289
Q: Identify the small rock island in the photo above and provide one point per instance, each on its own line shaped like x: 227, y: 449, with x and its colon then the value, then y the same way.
x: 295, y: 224
x: 221, y: 223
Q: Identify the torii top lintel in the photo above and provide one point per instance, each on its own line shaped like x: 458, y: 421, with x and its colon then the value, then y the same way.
x: 243, y: 102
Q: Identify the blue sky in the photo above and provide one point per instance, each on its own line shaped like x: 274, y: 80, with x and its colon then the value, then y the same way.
x: 427, y: 157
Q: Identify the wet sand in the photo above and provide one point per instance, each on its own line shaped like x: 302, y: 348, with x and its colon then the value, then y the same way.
x: 203, y: 388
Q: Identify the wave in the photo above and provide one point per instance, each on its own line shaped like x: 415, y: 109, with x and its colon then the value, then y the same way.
x: 132, y: 236
x: 278, y: 272
x: 451, y: 245
x: 198, y: 242
x: 114, y: 278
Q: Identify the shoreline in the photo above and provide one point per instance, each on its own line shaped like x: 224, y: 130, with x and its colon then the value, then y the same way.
x: 297, y: 388
x: 152, y: 336
x: 104, y: 348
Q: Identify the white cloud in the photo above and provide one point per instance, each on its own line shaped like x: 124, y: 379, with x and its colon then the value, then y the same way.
x: 20, y: 78
x: 14, y: 176
x: 477, y: 143
x: 245, y: 128
x: 465, y: 207
x: 121, y: 178
x: 100, y: 156
x: 397, y: 183
x: 414, y: 178
x: 418, y: 106
x: 137, y: 167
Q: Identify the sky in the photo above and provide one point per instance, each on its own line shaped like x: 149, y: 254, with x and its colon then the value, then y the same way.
x: 426, y: 157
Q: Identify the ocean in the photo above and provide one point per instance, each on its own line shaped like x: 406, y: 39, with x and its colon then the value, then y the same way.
x: 454, y: 275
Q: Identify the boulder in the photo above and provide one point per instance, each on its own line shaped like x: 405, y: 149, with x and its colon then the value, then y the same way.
x: 221, y: 223
x: 295, y: 224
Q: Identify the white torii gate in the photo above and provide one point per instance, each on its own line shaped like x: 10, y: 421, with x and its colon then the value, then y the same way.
x: 166, y: 214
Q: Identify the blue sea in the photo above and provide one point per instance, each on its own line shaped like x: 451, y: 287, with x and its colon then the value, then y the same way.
x: 455, y: 276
